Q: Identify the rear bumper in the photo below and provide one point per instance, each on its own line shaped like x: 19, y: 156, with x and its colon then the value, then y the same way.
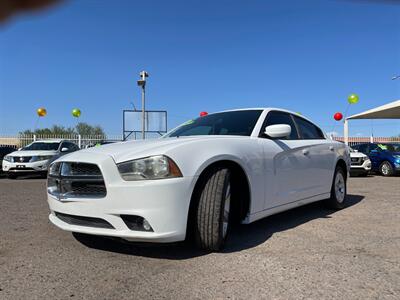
x: 164, y: 204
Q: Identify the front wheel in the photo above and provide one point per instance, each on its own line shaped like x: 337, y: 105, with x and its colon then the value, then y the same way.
x: 213, y: 210
x: 386, y: 169
x: 11, y: 175
x: 338, y: 190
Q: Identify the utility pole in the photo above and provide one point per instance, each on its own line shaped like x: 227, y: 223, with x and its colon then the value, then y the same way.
x: 142, y: 83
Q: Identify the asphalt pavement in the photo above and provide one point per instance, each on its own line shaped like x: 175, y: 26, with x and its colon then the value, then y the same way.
x: 307, y: 253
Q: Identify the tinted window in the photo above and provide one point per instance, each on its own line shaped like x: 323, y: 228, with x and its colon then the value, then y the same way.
x: 42, y: 146
x: 363, y: 148
x: 239, y: 122
x: 278, y: 117
x: 308, y: 131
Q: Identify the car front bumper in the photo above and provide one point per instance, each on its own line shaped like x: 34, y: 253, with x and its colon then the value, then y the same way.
x: 15, y: 167
x: 365, y: 168
x: 163, y: 203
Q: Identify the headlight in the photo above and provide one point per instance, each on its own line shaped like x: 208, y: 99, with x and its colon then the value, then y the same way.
x: 154, y: 167
x: 40, y: 158
x: 8, y: 158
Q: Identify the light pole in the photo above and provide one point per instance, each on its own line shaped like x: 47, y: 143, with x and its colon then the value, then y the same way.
x: 142, y: 83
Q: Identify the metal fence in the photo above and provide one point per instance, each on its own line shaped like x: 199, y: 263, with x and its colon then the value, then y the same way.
x: 88, y: 141
x: 371, y: 139
x: 82, y: 141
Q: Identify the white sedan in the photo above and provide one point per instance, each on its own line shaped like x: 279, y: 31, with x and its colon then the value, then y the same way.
x: 231, y: 166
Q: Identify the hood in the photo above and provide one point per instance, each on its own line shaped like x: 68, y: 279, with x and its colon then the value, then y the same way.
x: 357, y: 154
x: 33, y: 153
x: 130, y: 150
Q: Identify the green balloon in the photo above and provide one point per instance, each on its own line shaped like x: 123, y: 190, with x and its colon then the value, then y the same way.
x: 76, y: 112
x: 353, y: 99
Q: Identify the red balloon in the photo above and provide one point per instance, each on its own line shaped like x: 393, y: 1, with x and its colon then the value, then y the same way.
x: 338, y: 116
x: 203, y: 114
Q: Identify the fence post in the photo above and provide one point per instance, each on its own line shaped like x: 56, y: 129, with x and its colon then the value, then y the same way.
x: 34, y: 137
x: 371, y: 140
x: 79, y: 141
x: 346, y: 132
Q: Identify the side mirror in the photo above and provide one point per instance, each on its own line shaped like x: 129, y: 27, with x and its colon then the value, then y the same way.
x: 64, y: 149
x: 278, y: 131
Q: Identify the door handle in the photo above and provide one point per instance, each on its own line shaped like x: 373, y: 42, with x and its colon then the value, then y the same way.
x: 331, y: 148
x: 305, y: 151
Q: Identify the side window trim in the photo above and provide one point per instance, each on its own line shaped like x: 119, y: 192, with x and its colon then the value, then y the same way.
x: 261, y: 133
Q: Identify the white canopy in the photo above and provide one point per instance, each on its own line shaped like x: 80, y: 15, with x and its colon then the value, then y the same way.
x: 387, y: 111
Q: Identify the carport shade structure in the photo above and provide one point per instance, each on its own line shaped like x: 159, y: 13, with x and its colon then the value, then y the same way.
x: 387, y: 111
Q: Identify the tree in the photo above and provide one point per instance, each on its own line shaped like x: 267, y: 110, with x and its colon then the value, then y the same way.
x: 57, y: 130
x: 86, y: 129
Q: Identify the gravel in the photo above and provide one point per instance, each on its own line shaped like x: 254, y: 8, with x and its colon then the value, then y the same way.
x: 306, y: 253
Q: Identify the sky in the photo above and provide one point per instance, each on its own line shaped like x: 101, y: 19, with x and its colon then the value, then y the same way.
x: 306, y: 56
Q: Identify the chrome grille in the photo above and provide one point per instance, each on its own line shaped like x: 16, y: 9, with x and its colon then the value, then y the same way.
x: 75, y: 180
x: 22, y: 159
x: 356, y: 161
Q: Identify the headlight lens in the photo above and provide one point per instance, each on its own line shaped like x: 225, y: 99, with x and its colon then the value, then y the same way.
x: 8, y: 158
x: 154, y: 167
x: 40, y: 158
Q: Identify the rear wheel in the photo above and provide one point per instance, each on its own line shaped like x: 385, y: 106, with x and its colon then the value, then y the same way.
x: 338, y: 190
x: 214, y: 210
x: 386, y: 169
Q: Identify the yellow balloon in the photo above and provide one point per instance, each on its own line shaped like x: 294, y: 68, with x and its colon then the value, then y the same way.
x: 76, y: 112
x: 41, y: 112
x: 353, y: 99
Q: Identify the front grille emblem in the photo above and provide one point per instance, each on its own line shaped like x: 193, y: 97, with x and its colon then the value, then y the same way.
x: 21, y: 159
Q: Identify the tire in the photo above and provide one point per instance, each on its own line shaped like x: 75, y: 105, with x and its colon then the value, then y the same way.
x: 338, y: 190
x: 213, y: 215
x: 386, y: 169
x: 11, y: 176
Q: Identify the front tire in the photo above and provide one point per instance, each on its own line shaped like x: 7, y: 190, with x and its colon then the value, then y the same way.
x: 338, y: 190
x: 386, y: 169
x: 11, y: 176
x: 213, y: 210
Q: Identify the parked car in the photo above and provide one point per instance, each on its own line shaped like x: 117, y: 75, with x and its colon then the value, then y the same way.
x: 35, y: 157
x: 360, y: 163
x: 385, y: 158
x: 232, y: 166
x: 4, y: 150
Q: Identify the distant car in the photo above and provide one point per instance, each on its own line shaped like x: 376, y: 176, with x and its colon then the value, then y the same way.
x: 4, y: 150
x: 385, y: 158
x: 35, y: 157
x: 232, y: 166
x: 360, y: 163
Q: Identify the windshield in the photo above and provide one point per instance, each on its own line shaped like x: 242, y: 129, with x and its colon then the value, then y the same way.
x: 390, y: 147
x: 42, y: 146
x: 239, y: 122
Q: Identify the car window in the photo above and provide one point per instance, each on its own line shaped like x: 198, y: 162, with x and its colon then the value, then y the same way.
x: 308, y: 131
x: 279, y: 117
x: 240, y: 123
x: 361, y: 148
x: 42, y: 146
